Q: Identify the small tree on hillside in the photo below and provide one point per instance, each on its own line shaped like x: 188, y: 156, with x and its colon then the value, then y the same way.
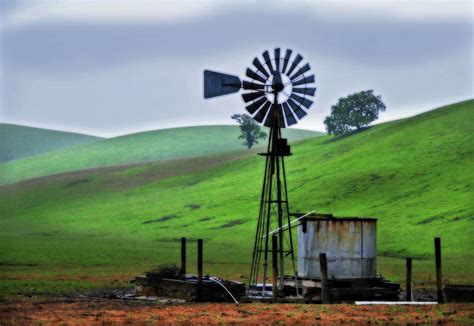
x: 354, y: 111
x: 250, y: 130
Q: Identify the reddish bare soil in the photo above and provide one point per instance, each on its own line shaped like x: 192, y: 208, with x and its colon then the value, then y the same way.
x: 102, y: 311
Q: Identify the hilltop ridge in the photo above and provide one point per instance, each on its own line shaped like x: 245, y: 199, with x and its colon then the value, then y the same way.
x: 22, y: 141
x: 134, y: 148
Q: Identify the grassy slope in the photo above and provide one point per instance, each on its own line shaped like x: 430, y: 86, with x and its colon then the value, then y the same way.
x: 415, y: 175
x: 19, y: 141
x: 139, y: 147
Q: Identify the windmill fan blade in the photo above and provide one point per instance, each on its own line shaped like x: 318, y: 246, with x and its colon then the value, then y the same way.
x: 251, y: 108
x: 252, y: 74
x: 252, y: 96
x: 303, y: 101
x: 216, y: 84
x: 253, y: 86
x: 306, y: 80
x: 297, y: 109
x: 306, y: 90
x: 277, y: 59
x: 268, y: 61
x: 290, y: 117
x: 285, y: 61
x: 260, y: 67
x: 269, y: 119
x: 294, y: 64
x: 301, y: 71
x: 262, y: 112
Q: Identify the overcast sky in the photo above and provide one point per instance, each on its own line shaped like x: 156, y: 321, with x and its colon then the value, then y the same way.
x: 111, y: 67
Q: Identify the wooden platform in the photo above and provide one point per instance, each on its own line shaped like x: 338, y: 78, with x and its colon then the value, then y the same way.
x: 309, y: 290
x: 187, y: 288
x: 459, y: 293
x: 345, y: 290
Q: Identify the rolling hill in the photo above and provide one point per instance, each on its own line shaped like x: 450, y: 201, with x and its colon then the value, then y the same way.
x: 134, y: 148
x: 21, y: 141
x: 100, y: 227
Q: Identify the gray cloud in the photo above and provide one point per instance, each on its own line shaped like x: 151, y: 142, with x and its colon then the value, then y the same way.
x: 88, y: 45
x: 119, y: 76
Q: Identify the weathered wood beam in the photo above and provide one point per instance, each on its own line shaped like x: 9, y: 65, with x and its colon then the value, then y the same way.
x: 323, y: 265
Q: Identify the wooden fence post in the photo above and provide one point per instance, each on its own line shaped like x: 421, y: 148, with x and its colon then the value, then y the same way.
x: 183, y: 256
x: 323, y: 265
x: 408, y: 280
x: 199, y: 261
x: 439, y: 285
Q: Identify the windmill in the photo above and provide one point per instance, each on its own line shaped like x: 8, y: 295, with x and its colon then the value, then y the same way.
x: 278, y: 96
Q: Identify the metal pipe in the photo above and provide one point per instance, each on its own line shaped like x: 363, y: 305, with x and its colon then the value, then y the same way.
x: 288, y: 224
x: 292, y: 249
x: 227, y: 290
x: 275, y: 267
x: 279, y: 195
x: 395, y: 303
x: 260, y: 225
x: 269, y: 205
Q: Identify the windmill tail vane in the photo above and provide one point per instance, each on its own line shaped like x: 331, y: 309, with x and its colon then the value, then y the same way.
x: 277, y: 94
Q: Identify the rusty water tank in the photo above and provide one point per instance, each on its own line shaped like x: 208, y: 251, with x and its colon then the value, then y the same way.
x: 349, y: 244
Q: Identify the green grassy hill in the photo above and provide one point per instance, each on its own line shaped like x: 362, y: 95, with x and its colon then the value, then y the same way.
x: 21, y: 141
x: 100, y: 227
x: 135, y: 148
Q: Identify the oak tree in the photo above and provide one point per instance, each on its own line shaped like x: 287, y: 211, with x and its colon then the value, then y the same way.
x: 250, y: 130
x: 354, y: 112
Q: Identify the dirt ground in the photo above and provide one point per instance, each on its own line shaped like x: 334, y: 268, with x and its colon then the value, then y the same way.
x: 100, y: 311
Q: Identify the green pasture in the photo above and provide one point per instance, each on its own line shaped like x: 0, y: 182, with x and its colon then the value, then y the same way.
x: 97, y: 228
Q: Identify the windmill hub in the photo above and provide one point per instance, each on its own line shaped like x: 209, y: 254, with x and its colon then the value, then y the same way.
x: 281, y: 86
x: 277, y: 83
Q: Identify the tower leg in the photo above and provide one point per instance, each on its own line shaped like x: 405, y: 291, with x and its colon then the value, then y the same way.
x: 274, y: 211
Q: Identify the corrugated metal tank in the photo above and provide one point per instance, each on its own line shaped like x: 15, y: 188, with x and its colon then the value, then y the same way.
x: 349, y: 244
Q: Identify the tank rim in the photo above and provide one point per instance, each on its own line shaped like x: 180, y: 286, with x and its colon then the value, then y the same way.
x: 340, y: 219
